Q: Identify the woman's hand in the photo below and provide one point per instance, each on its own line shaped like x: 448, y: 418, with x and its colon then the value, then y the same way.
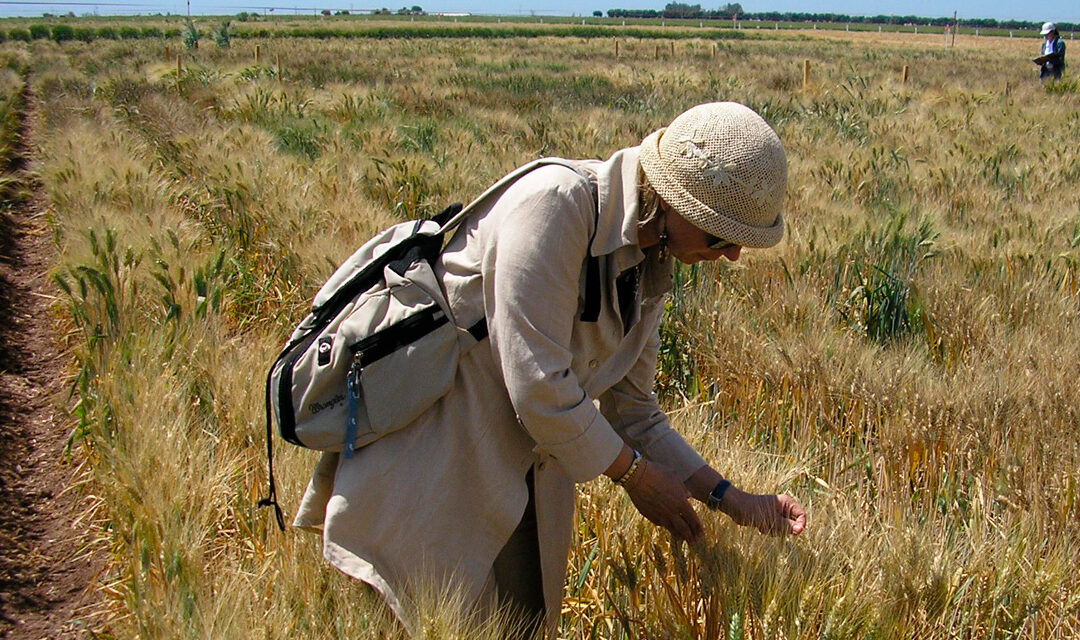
x: 661, y: 496
x: 772, y: 514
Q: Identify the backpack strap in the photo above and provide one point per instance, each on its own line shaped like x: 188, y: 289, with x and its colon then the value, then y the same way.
x: 591, y: 311
x: 510, y: 178
x: 271, y: 499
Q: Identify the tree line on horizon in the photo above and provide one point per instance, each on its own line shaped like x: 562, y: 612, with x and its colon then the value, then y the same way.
x: 675, y: 10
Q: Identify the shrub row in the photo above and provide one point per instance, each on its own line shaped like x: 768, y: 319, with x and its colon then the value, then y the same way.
x: 63, y: 32
x: 386, y: 32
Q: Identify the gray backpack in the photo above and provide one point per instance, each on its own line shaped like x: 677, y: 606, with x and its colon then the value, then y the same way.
x: 381, y: 344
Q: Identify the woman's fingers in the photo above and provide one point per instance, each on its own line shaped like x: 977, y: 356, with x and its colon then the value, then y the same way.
x: 679, y: 526
x: 686, y: 525
x: 785, y: 517
x: 795, y: 515
x: 769, y: 514
x: 662, y: 498
x: 696, y: 528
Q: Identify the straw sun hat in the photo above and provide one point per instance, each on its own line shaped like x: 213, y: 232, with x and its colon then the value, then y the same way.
x: 722, y: 167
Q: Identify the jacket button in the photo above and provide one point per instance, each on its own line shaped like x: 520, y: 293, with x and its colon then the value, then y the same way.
x: 593, y: 363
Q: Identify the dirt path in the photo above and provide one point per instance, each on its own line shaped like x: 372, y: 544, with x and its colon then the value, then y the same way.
x: 46, y: 562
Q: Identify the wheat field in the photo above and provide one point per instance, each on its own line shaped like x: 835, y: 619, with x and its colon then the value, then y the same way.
x: 904, y: 363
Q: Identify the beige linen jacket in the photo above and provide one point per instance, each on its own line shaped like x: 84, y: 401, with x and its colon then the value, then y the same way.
x: 431, y: 505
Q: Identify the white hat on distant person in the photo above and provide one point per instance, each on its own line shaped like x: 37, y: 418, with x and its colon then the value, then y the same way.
x: 1047, y: 28
x: 723, y: 169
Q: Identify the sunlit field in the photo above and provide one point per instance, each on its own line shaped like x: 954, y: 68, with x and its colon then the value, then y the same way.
x: 905, y: 363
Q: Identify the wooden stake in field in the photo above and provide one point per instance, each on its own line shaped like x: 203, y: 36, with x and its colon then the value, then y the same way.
x: 714, y: 48
x: 903, y: 75
x: 616, y: 47
x: 168, y: 57
x: 805, y: 74
x: 955, y: 25
x: 257, y: 52
x: 657, y: 52
x: 672, y: 48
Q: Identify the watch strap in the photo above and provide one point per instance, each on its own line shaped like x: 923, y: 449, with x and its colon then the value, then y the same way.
x: 716, y: 496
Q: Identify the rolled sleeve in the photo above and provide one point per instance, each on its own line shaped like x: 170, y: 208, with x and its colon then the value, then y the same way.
x: 532, y: 266
x: 589, y: 453
x: 632, y: 407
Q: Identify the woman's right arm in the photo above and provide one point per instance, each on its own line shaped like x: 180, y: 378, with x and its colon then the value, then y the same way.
x: 535, y: 241
x: 532, y: 267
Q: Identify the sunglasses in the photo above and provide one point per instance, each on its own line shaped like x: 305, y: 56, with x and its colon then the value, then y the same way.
x: 718, y: 244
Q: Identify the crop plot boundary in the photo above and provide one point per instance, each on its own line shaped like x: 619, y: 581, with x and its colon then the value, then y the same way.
x: 49, y: 561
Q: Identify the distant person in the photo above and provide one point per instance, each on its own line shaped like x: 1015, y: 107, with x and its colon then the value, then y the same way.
x: 1052, y: 61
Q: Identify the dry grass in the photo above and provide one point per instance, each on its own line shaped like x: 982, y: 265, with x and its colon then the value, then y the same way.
x: 904, y: 363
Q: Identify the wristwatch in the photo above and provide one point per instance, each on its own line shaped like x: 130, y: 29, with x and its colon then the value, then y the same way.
x: 716, y: 496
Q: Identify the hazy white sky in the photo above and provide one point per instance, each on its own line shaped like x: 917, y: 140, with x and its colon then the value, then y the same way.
x: 1033, y: 10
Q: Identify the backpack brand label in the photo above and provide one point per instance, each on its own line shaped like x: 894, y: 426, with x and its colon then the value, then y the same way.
x: 319, y: 407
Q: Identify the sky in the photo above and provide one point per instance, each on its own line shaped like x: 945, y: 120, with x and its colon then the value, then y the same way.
x: 1032, y: 10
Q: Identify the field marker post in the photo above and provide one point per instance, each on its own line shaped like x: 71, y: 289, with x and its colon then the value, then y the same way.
x: 257, y: 52
x: 616, y: 47
x: 657, y: 52
x: 672, y: 48
x: 1006, y: 88
x: 805, y: 74
x: 714, y: 48
x: 168, y: 57
x: 903, y: 75
x: 955, y: 24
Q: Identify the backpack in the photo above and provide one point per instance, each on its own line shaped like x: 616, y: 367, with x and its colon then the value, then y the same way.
x: 381, y: 345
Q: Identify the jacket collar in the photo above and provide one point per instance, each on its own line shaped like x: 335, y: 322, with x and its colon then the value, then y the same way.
x: 616, y: 183
x: 616, y: 232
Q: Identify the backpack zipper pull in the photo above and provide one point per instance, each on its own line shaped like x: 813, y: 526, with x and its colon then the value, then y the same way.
x: 353, y: 390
